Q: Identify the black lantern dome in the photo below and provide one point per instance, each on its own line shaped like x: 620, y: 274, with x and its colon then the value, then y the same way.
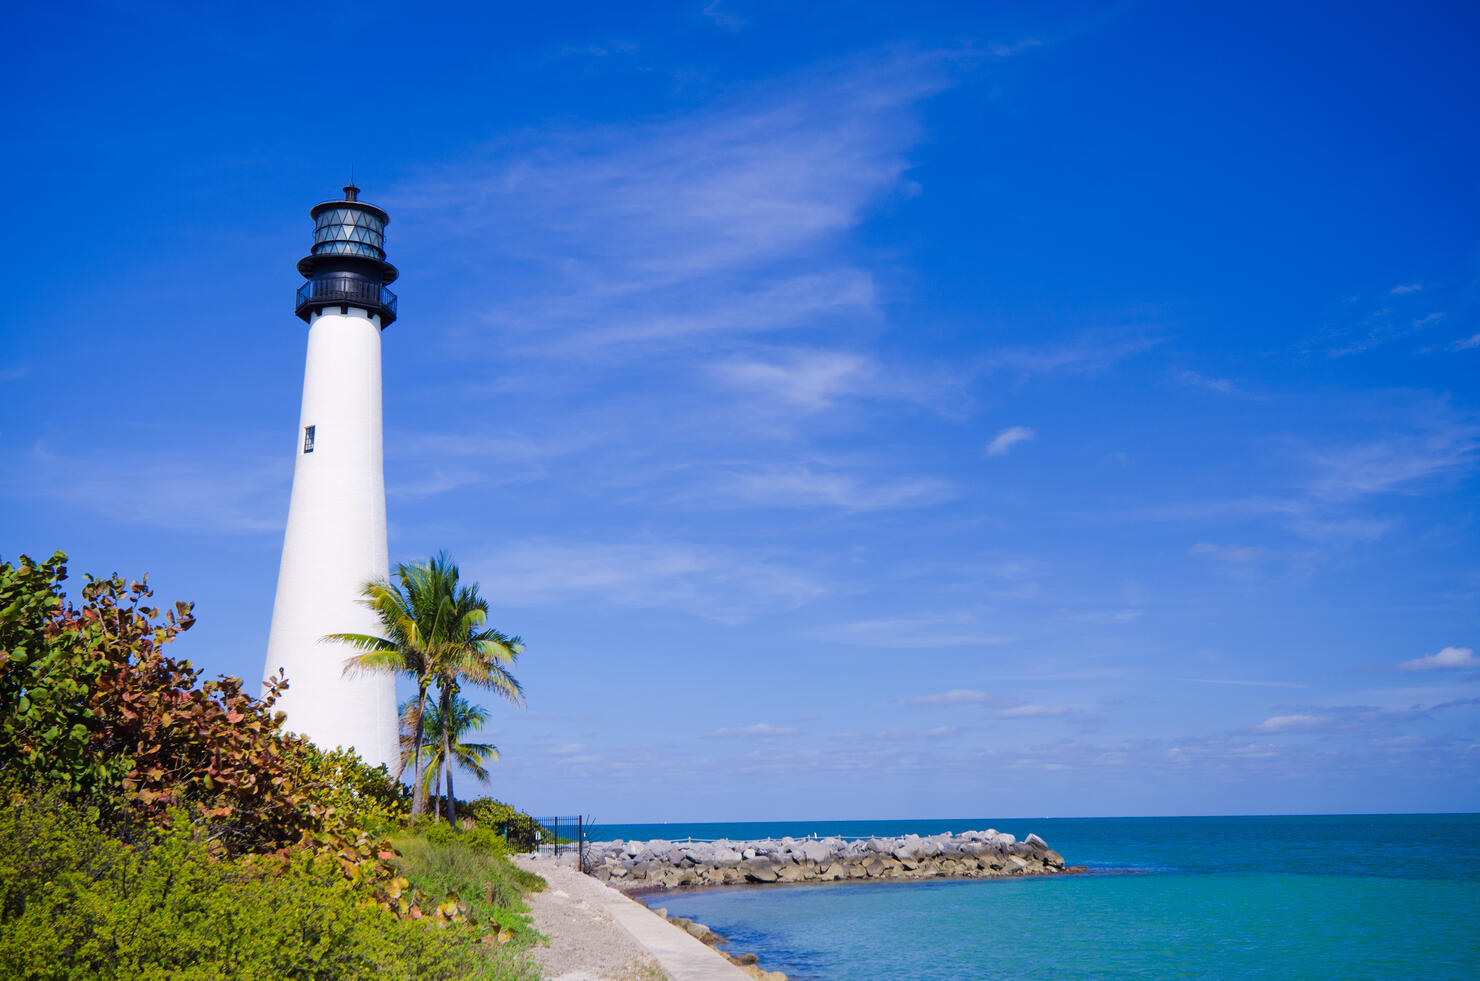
x: 347, y: 266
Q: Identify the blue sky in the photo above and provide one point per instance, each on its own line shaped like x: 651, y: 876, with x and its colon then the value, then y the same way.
x: 861, y: 411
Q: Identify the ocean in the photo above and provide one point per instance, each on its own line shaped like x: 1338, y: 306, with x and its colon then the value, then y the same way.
x: 1350, y: 897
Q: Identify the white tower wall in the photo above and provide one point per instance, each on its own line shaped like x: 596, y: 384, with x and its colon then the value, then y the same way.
x: 335, y: 542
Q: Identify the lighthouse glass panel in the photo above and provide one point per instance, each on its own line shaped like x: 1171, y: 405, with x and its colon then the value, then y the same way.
x: 349, y: 231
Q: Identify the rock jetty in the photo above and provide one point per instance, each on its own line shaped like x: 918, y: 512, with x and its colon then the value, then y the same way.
x: 641, y: 866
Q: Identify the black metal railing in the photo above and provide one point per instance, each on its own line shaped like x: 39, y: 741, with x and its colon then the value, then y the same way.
x: 348, y: 290
x: 535, y: 834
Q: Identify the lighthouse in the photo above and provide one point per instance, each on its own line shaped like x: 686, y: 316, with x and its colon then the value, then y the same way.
x: 335, y: 539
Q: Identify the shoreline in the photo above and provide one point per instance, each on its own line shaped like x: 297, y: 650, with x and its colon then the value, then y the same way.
x: 641, y: 895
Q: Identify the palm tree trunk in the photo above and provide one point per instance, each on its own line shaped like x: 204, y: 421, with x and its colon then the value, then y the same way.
x: 418, y: 791
x: 447, y: 696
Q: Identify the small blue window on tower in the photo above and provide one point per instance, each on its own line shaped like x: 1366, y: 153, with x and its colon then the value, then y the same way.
x: 308, y: 439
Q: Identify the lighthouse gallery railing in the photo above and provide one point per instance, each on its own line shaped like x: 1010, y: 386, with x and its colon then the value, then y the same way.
x: 346, y: 290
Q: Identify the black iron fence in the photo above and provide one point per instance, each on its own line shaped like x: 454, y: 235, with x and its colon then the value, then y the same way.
x: 538, y: 834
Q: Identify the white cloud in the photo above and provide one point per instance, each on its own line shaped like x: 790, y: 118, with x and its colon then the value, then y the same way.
x: 1406, y: 288
x: 1467, y: 343
x: 721, y: 220
x: 1194, y: 380
x: 1449, y: 657
x: 1292, y: 723
x: 759, y: 730
x: 807, y: 486
x: 956, y: 696
x: 1227, y: 553
x: 1032, y: 712
x: 1008, y: 438
x: 1086, y: 357
x: 808, y: 380
x: 216, y: 490
x: 1099, y: 616
x: 1398, y: 461
x: 910, y: 633
x: 1246, y: 683
x: 718, y: 584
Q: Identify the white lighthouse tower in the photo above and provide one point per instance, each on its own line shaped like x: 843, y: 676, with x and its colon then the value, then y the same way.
x: 335, y: 541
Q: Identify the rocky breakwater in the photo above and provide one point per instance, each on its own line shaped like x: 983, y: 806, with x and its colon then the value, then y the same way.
x: 640, y: 866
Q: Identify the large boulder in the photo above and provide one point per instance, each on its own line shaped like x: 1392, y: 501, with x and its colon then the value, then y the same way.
x: 814, y: 851
x: 759, y: 870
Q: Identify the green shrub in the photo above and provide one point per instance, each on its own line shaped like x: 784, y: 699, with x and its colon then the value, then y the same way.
x: 519, y: 830
x: 480, y: 839
x: 361, y: 795
x: 75, y: 903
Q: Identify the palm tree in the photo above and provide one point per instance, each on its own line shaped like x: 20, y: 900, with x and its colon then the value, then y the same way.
x: 466, y: 718
x: 413, y: 617
x: 434, y: 631
x: 473, y: 654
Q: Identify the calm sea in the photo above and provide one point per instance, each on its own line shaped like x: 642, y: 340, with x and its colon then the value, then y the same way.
x: 1370, y: 896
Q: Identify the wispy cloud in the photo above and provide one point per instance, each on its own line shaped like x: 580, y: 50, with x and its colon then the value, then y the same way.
x: 1007, y: 709
x: 717, y: 584
x: 1449, y: 657
x: 1468, y: 343
x: 759, y: 730
x: 1405, y: 288
x: 809, y: 380
x: 1088, y: 356
x: 209, y: 492
x: 1032, y: 712
x: 1240, y: 682
x: 806, y: 486
x: 1399, y: 461
x: 956, y: 696
x: 1192, y: 379
x: 1009, y: 438
x: 1292, y: 723
x: 721, y: 17
x: 1227, y: 553
x: 719, y: 221
x: 924, y: 632
x: 1099, y: 616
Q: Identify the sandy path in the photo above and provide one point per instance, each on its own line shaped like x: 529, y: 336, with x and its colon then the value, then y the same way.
x: 598, y: 934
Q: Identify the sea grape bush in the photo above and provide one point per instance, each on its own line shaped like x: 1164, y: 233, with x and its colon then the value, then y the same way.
x: 90, y: 703
x: 157, y: 779
x: 47, y: 674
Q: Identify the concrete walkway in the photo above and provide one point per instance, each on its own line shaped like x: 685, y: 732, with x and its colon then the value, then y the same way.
x: 590, y: 926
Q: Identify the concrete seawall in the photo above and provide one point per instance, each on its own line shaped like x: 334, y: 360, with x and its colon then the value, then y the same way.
x: 641, y: 866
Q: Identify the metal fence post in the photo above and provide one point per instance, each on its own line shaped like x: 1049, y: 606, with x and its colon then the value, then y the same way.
x: 580, y: 842
x: 556, y: 832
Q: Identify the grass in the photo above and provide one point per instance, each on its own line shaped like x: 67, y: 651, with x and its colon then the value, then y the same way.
x: 492, y: 887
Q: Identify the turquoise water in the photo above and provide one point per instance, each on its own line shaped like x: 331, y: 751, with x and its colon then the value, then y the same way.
x: 1371, y: 896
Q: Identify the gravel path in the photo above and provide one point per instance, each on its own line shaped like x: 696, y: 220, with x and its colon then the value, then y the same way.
x: 597, y: 934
